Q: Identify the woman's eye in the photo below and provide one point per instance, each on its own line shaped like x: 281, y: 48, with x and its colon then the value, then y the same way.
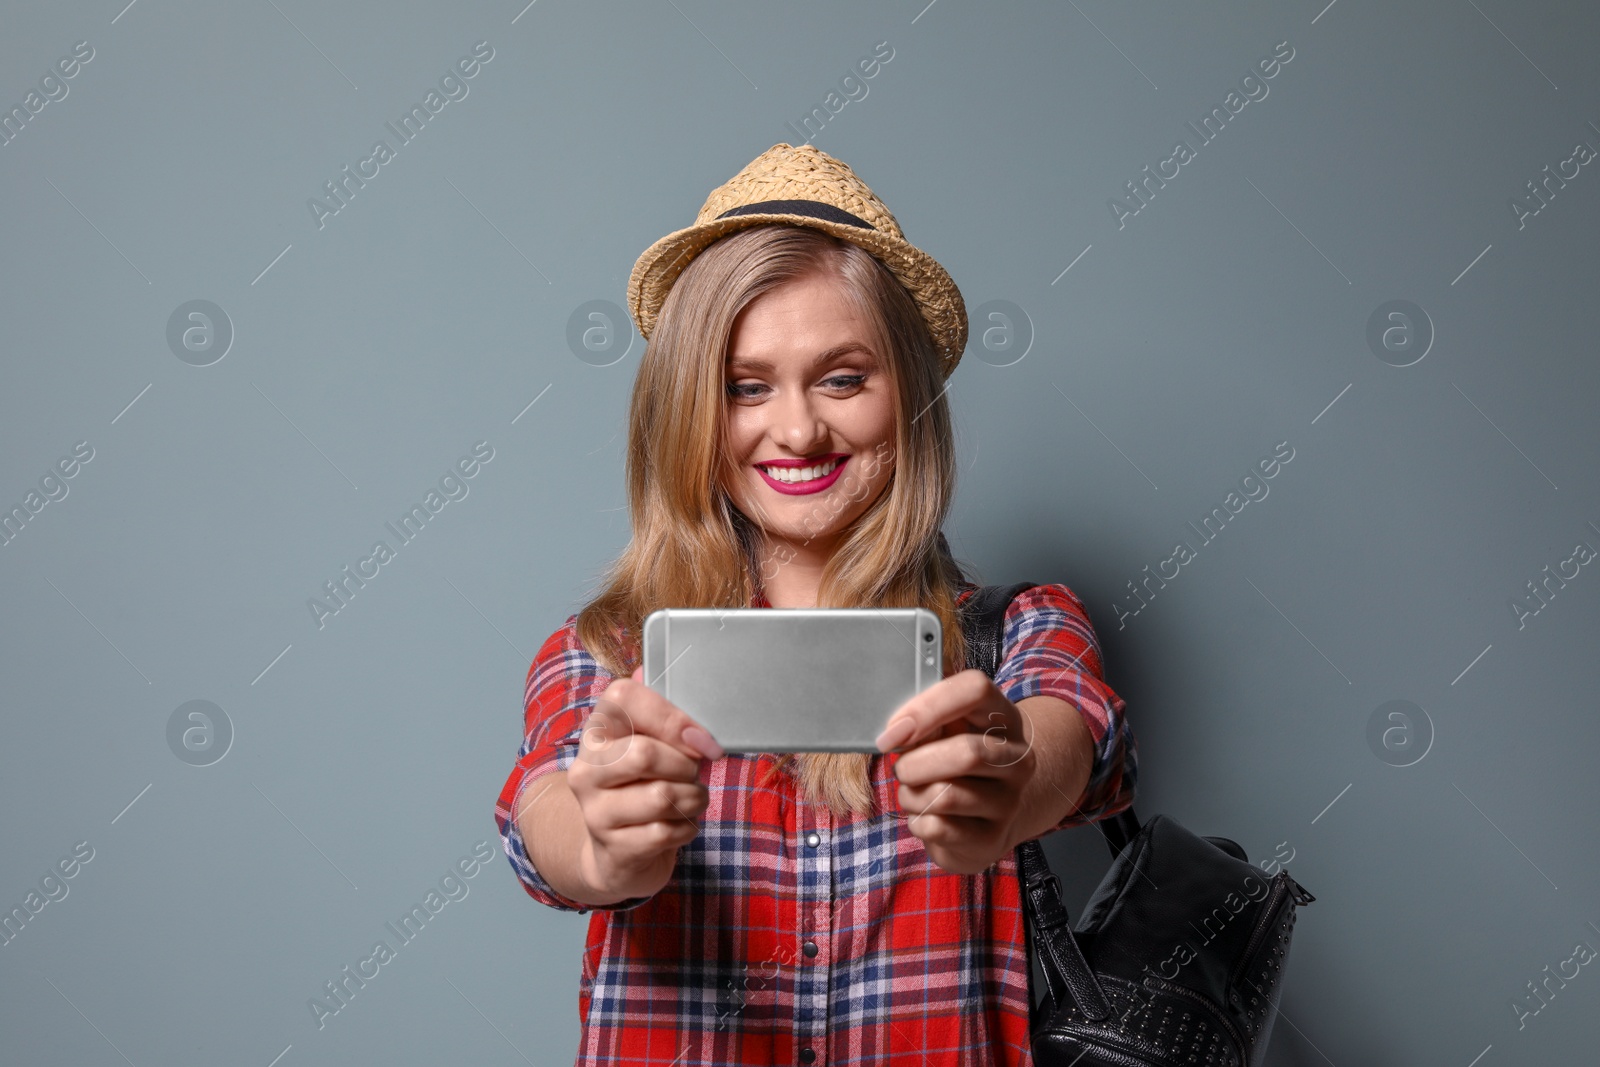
x: 838, y: 383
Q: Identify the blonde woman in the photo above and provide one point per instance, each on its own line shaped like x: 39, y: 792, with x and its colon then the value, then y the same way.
x: 790, y: 445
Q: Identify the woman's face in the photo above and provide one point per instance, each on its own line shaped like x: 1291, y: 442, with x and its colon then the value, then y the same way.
x: 809, y: 414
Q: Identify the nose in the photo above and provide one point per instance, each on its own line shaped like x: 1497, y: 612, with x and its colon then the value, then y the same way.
x: 797, y: 425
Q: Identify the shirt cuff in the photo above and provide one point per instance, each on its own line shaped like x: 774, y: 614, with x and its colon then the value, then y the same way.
x: 516, y: 851
x: 1113, y: 774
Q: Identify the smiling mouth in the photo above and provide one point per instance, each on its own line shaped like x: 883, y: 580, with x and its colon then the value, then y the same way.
x: 800, y: 475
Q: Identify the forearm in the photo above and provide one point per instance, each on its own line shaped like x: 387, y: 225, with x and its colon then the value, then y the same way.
x: 555, y: 836
x: 1063, y: 751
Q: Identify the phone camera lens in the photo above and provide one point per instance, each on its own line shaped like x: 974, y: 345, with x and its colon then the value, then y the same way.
x: 927, y: 637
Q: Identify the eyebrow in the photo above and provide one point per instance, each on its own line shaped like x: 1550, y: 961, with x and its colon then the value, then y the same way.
x: 825, y: 356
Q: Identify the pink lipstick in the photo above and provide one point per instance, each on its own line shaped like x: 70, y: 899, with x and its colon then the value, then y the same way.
x: 814, y: 485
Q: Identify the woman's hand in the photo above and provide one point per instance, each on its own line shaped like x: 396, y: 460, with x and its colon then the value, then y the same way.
x: 637, y: 783
x: 968, y: 755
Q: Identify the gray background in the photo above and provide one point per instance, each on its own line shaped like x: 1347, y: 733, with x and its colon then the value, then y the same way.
x: 1228, y: 315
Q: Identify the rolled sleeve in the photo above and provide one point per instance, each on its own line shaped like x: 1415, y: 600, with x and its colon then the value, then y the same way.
x: 1050, y: 649
x: 562, y: 685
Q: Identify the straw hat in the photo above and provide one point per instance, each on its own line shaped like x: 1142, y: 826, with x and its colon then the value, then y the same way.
x: 804, y: 186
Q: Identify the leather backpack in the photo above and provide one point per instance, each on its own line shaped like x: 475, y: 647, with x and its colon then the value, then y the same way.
x: 1177, y: 959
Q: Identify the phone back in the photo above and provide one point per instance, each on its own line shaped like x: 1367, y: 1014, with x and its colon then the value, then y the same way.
x: 792, y: 679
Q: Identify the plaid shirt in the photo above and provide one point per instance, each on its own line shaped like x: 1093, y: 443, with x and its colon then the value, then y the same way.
x: 787, y: 935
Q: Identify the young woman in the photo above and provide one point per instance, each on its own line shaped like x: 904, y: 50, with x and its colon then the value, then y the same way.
x: 790, y: 446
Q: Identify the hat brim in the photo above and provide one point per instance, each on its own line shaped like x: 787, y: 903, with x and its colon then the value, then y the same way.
x: 935, y: 292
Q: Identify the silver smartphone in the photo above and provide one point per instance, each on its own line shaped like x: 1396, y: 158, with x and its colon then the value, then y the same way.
x: 792, y: 679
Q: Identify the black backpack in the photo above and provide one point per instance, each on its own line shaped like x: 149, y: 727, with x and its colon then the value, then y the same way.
x: 1178, y: 957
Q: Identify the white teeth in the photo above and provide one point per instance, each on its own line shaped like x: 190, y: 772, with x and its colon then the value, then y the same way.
x: 801, y: 474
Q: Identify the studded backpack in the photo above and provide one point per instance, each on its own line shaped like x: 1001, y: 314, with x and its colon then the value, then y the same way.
x: 1178, y: 957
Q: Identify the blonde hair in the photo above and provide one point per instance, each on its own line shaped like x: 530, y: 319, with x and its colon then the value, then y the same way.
x: 692, y: 547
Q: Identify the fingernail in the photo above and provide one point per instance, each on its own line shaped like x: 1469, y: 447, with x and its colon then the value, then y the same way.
x: 702, y: 742
x: 896, y: 733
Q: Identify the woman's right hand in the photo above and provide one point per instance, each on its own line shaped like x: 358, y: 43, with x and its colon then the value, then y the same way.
x: 637, y: 782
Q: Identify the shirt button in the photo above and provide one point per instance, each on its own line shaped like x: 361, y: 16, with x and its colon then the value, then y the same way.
x: 809, y: 948
x: 813, y: 839
x: 807, y: 1056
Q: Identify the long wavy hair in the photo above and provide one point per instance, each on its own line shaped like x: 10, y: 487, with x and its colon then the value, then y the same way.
x: 692, y: 547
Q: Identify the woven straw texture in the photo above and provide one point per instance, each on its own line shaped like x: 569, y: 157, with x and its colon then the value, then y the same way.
x: 787, y: 172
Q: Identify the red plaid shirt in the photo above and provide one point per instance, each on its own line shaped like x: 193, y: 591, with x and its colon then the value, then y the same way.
x: 789, y: 936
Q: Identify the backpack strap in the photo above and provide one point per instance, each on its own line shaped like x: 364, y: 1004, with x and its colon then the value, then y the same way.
x: 1066, y: 972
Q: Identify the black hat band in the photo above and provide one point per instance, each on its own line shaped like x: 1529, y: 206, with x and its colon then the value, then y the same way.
x: 811, y: 209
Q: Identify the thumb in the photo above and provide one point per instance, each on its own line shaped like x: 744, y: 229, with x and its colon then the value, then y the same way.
x: 693, y: 734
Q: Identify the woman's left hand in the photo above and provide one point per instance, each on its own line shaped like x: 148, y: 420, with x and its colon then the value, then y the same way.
x: 967, y: 753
